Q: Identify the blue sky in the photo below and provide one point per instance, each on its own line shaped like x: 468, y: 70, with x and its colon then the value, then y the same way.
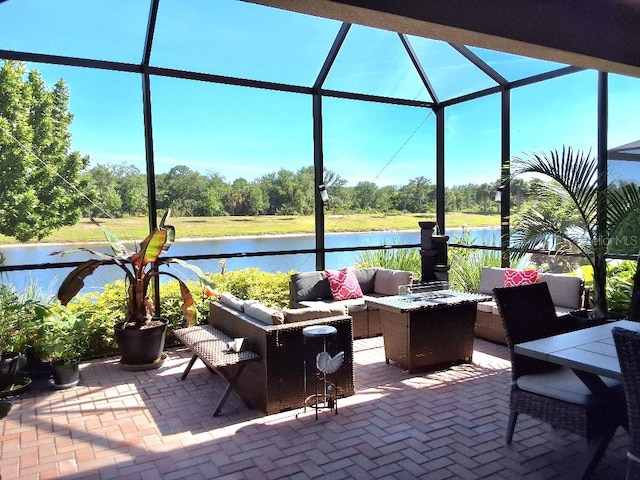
x: 244, y: 132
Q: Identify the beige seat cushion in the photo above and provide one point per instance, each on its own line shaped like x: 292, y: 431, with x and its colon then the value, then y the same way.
x: 322, y: 310
x: 387, y: 281
x: 486, y: 306
x: 353, y: 304
x: 562, y: 384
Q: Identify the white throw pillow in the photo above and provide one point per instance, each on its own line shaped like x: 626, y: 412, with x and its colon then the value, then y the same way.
x: 231, y: 301
x: 260, y: 312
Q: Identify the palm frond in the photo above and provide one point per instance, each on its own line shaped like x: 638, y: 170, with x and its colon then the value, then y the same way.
x: 575, y: 177
x: 620, y: 203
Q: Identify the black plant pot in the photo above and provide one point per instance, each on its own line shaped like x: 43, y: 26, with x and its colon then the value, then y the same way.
x: 10, y: 366
x: 66, y: 375
x: 141, y: 348
x: 584, y: 318
x: 12, y: 380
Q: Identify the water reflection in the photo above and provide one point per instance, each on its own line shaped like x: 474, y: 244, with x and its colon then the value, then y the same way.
x: 49, y: 280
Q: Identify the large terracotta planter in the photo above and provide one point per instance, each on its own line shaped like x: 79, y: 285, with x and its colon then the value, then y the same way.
x: 141, y: 348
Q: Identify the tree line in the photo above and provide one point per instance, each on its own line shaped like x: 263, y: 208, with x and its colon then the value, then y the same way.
x: 121, y: 190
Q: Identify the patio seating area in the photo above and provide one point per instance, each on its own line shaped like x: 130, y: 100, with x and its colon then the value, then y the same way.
x: 150, y: 424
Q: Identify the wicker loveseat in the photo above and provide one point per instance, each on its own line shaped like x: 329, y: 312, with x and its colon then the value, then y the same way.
x: 567, y: 293
x: 311, y: 289
x: 275, y: 383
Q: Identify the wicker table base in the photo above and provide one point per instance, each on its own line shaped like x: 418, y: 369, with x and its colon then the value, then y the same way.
x: 421, y: 334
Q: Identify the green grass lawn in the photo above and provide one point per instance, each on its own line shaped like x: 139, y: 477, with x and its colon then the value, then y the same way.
x: 136, y: 228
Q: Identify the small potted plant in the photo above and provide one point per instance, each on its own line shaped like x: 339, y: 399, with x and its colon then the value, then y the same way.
x: 65, y: 342
x: 141, y: 336
x: 20, y: 326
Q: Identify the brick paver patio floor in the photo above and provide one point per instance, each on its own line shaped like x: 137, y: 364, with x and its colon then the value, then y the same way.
x: 148, y: 425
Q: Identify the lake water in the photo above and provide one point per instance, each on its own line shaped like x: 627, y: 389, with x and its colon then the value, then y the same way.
x: 49, y: 280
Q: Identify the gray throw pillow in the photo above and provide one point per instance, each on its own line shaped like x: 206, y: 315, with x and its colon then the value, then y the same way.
x: 366, y: 278
x: 310, y: 286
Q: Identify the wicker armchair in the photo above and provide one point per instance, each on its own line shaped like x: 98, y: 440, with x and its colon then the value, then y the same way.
x: 544, y: 390
x: 628, y: 347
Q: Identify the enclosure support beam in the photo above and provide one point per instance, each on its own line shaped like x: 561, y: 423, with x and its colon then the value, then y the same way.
x: 505, y: 173
x: 440, y: 173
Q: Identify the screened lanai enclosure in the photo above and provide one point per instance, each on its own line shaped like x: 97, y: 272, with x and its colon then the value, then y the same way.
x: 239, y: 92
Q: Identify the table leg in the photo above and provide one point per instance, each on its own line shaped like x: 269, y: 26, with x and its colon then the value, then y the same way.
x: 593, y: 382
x: 599, y: 443
x: 232, y: 381
x: 595, y: 450
x: 188, y: 369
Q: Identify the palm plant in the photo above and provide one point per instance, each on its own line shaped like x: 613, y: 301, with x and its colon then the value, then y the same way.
x: 573, y: 210
x: 140, y: 268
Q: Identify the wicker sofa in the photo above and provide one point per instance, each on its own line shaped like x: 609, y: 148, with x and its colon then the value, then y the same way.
x: 275, y: 383
x: 567, y: 292
x: 311, y: 289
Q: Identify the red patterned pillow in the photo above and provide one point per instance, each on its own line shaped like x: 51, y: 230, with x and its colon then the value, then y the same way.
x: 514, y: 278
x: 344, y: 284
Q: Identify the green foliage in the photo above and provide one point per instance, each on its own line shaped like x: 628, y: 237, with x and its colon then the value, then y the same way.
x: 466, y: 263
x: 21, y: 317
x: 101, y: 311
x: 272, y: 289
x: 65, y: 335
x: 466, y: 267
x: 620, y: 286
x: 171, y: 306
x: 397, y: 259
x: 40, y: 181
x: 120, y: 191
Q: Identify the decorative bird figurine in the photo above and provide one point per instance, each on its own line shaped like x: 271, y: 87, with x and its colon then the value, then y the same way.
x: 328, y: 364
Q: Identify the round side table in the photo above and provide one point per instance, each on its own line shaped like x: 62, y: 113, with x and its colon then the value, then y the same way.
x: 316, y: 339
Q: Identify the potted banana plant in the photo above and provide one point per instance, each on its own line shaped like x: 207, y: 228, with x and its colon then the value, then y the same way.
x: 141, y: 335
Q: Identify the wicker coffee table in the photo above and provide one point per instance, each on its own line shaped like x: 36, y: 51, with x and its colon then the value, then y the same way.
x: 430, y: 329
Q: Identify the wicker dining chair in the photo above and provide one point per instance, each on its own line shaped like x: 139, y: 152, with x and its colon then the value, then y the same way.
x: 543, y: 390
x: 628, y: 348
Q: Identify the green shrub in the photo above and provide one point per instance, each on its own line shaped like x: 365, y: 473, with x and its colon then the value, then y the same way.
x: 466, y: 263
x: 65, y: 335
x: 397, y: 259
x: 101, y: 311
x: 466, y: 267
x: 272, y: 289
x: 21, y: 316
x: 620, y: 286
